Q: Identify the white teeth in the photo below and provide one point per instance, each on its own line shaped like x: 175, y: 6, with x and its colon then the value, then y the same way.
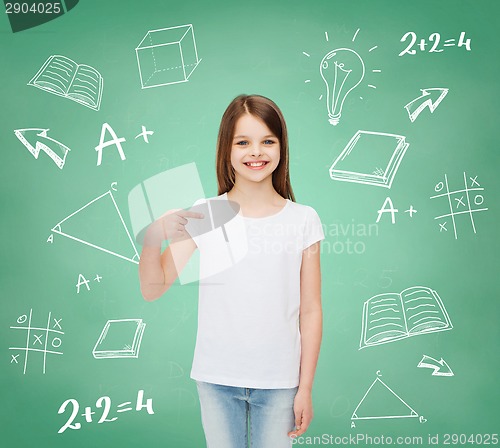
x: 255, y: 163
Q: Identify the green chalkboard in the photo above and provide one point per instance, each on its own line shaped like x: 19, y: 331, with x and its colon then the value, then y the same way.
x: 403, y: 173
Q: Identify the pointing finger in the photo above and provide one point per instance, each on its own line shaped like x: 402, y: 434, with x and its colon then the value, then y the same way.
x: 189, y: 214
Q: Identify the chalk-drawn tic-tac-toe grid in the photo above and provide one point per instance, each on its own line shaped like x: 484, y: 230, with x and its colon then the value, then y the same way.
x: 463, y: 203
x: 36, y: 341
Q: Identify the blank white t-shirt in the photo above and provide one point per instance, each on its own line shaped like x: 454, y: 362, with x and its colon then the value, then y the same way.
x: 248, y: 313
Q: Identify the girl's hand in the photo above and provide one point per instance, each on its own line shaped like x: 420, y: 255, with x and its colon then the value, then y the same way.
x: 170, y: 226
x: 303, y: 410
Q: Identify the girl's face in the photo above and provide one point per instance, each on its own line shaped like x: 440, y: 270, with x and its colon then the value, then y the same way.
x: 255, y: 151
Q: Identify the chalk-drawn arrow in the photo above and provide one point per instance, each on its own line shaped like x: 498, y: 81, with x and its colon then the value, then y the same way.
x: 430, y: 97
x: 441, y: 368
x: 36, y: 140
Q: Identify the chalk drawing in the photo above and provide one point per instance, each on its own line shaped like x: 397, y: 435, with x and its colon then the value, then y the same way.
x: 36, y: 140
x: 381, y: 402
x: 389, y: 317
x: 44, y: 340
x: 167, y: 56
x: 104, y: 403
x: 433, y: 44
x: 371, y: 158
x: 64, y: 77
x: 461, y: 202
x: 120, y: 338
x: 82, y: 280
x: 87, y: 211
x: 144, y: 134
x: 342, y: 71
x: 430, y: 98
x: 440, y: 368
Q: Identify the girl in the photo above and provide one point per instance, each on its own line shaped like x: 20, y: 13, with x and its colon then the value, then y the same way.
x: 260, y: 318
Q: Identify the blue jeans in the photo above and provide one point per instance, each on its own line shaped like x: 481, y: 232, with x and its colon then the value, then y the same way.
x: 232, y: 416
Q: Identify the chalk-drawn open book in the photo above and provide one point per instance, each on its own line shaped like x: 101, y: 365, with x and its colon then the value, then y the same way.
x: 64, y: 77
x: 390, y: 316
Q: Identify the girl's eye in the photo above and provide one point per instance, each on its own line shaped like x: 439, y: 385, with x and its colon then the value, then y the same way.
x: 242, y: 143
x: 269, y: 142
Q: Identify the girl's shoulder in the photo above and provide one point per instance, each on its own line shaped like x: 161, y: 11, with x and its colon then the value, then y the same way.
x: 302, y: 208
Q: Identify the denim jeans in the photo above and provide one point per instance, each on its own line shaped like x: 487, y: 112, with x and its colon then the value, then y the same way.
x: 233, y: 416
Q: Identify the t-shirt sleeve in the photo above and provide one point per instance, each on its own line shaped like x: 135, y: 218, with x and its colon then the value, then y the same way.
x: 313, y: 231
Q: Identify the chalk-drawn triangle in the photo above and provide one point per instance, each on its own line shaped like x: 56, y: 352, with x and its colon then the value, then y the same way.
x: 99, y: 224
x: 380, y: 401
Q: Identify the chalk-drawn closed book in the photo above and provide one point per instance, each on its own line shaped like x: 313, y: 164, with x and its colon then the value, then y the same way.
x: 64, y: 77
x: 370, y: 158
x: 120, y: 339
x: 390, y: 316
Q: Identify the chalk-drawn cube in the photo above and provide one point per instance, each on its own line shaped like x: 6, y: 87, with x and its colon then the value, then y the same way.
x: 167, y: 56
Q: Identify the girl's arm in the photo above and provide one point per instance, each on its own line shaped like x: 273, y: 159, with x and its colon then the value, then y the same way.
x: 311, y: 330
x: 157, y: 271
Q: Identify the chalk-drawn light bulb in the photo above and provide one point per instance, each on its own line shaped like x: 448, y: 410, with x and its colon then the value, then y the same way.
x: 342, y: 70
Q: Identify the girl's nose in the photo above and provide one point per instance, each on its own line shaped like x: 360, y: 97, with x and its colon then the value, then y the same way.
x: 255, y: 149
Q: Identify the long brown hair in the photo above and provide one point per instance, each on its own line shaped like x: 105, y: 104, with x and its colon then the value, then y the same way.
x: 267, y: 111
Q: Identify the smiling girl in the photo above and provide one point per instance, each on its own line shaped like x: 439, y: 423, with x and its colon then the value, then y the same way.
x: 260, y: 319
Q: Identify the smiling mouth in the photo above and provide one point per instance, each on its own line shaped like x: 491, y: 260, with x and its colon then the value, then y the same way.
x: 256, y: 164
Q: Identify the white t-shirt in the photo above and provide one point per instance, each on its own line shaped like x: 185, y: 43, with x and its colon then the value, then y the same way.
x: 248, y: 313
